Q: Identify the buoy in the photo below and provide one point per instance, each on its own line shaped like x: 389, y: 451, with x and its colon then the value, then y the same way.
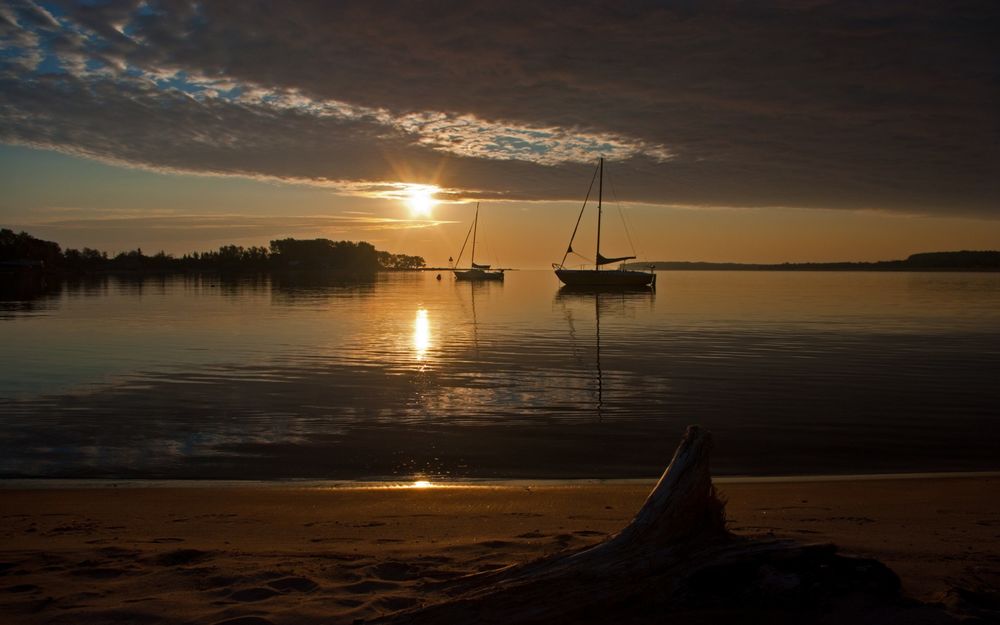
x: 439, y: 276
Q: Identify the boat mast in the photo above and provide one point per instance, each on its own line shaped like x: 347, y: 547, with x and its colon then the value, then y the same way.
x: 475, y: 226
x: 600, y: 197
x: 600, y: 376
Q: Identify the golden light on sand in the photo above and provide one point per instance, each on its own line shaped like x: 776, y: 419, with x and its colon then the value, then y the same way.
x: 421, y: 201
x: 421, y: 334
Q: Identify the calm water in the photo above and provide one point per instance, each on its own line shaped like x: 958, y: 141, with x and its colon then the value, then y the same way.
x: 409, y: 376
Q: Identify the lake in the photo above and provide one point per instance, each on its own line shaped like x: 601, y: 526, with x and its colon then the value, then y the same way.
x: 410, y: 377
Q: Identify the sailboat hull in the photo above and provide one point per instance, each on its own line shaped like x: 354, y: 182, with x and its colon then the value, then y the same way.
x: 613, y: 279
x: 478, y: 275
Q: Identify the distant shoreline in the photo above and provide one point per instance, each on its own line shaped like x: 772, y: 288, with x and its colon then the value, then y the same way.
x: 43, y: 483
x: 927, y: 261
x: 659, y: 266
x: 354, y: 276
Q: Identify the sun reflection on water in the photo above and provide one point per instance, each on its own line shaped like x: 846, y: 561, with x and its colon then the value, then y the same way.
x: 421, y: 334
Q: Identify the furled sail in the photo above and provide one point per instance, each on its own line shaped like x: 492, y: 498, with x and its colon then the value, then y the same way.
x: 601, y: 260
x: 478, y: 266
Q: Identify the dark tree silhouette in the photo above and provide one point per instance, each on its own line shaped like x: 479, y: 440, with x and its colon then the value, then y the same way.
x: 22, y: 251
x: 24, y: 247
x: 400, y: 261
x: 325, y: 254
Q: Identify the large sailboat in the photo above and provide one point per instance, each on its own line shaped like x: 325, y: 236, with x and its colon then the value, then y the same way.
x: 475, y: 271
x: 596, y: 278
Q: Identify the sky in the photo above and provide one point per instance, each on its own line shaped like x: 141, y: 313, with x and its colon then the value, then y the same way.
x: 732, y: 131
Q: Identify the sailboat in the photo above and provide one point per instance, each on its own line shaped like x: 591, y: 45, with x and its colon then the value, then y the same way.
x: 596, y: 278
x: 475, y: 271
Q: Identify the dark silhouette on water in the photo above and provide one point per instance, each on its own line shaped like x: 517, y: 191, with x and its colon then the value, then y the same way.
x: 475, y: 272
x: 595, y: 278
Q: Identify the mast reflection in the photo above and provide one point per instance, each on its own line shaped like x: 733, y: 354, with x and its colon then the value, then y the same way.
x: 615, y: 302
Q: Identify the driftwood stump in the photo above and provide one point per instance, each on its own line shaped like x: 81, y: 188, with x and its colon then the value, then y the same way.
x: 676, y: 563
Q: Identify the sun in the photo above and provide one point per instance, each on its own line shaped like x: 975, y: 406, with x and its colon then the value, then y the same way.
x: 421, y: 201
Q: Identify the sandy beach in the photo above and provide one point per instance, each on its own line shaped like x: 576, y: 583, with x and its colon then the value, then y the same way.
x: 281, y: 554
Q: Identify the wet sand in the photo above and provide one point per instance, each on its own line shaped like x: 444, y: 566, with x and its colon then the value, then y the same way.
x: 284, y: 554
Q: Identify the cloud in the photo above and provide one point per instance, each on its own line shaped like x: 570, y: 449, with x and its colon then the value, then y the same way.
x: 76, y: 219
x: 812, y: 104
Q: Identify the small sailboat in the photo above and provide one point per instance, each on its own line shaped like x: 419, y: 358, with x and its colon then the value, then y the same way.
x: 475, y: 271
x: 596, y: 278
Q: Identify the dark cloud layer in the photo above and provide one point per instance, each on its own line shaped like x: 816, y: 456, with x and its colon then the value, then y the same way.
x: 890, y: 105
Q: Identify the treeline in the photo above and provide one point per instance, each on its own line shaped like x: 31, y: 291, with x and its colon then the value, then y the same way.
x: 21, y: 251
x: 926, y: 261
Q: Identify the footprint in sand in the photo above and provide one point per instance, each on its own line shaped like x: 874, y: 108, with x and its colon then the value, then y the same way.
x: 132, y: 617
x: 394, y: 571
x: 369, y: 586
x: 246, y: 620
x: 860, y: 520
x: 81, y: 527
x: 217, y: 581
x: 393, y: 604
x: 435, y: 559
x: 99, y: 572
x: 299, y: 584
x: 180, y: 557
x: 253, y: 594
x: 349, y: 603
x: 533, y: 534
x: 118, y: 552
x: 440, y: 574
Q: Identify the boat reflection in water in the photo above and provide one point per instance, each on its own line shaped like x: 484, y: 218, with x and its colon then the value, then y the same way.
x: 616, y: 302
x: 475, y: 286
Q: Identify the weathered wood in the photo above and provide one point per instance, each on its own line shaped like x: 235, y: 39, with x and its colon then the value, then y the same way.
x: 675, y: 560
